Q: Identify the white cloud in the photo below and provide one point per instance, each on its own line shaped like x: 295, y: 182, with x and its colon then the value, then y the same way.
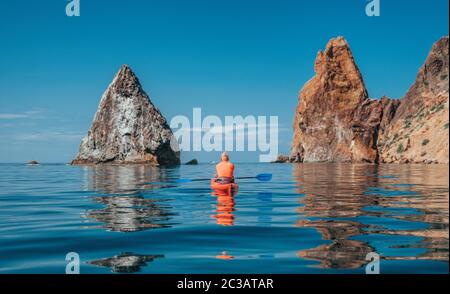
x: 35, y: 113
x: 232, y: 128
x: 49, y: 136
x: 12, y: 116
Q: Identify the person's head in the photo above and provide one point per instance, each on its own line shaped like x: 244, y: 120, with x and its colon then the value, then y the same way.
x: 225, y: 156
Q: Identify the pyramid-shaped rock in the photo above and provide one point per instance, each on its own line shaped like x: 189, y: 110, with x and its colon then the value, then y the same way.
x: 128, y: 128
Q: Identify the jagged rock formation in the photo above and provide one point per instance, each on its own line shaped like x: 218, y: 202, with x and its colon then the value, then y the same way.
x: 128, y: 128
x: 335, y: 120
x: 390, y: 107
x: 419, y: 130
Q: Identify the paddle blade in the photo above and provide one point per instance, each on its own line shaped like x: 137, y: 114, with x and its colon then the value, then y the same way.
x: 264, y: 177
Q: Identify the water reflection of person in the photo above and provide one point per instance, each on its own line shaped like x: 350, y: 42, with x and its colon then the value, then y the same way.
x: 225, y: 207
x: 225, y: 256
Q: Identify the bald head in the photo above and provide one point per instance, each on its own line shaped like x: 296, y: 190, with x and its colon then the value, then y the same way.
x: 225, y: 156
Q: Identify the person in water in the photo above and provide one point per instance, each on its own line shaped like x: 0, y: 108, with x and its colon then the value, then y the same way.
x: 225, y: 170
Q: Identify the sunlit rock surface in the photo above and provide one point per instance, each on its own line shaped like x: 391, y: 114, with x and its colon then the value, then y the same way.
x: 128, y: 128
x: 419, y: 130
x: 335, y: 120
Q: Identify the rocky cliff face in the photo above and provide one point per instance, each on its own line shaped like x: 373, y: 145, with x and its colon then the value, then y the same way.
x: 335, y: 119
x: 419, y: 130
x: 128, y: 128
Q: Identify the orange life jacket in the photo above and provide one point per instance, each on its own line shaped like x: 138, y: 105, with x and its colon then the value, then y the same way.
x: 225, y: 169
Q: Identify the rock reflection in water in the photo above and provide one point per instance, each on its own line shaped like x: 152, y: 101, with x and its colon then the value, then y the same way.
x: 125, y: 262
x: 341, y: 253
x: 425, y: 190
x: 336, y: 196
x: 130, y: 214
x: 124, y: 179
x: 126, y: 210
x: 334, y: 193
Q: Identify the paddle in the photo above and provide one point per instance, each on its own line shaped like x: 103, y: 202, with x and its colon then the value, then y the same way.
x: 260, y: 177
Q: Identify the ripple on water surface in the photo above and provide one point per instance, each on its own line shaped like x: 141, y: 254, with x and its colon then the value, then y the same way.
x: 311, y: 218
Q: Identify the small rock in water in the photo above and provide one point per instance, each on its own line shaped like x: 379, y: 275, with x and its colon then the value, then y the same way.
x: 192, y: 162
x: 33, y: 162
x: 282, y: 159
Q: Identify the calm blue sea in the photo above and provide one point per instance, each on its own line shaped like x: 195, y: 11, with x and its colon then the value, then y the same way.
x: 311, y: 218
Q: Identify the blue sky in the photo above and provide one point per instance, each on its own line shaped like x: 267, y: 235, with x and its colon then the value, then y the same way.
x: 231, y: 57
